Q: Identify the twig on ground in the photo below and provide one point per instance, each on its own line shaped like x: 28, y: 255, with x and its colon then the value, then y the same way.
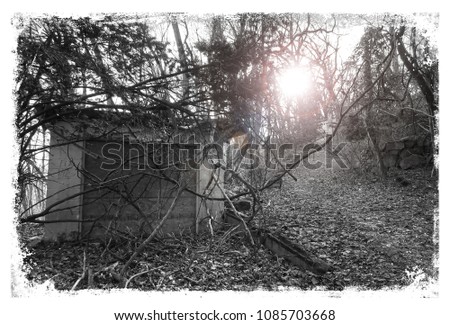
x: 83, y: 275
x: 139, y: 274
x: 191, y: 280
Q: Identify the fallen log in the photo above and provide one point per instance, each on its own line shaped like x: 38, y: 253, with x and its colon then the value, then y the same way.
x: 294, y: 253
x: 282, y: 247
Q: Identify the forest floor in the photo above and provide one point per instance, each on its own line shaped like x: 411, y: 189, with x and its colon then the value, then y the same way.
x: 373, y: 232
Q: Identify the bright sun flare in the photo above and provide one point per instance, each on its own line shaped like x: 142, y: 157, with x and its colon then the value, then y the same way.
x: 294, y: 82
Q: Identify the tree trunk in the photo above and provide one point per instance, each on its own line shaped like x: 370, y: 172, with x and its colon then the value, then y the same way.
x: 369, y: 117
x: 181, y: 54
x: 423, y: 79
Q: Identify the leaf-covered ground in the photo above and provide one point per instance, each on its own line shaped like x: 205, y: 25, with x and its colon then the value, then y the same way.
x: 372, y: 232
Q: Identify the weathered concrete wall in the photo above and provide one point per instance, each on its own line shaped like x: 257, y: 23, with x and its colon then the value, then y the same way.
x: 208, y: 210
x: 64, y: 182
x: 148, y: 200
x: 151, y: 196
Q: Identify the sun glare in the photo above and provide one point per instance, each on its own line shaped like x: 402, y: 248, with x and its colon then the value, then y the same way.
x: 294, y: 81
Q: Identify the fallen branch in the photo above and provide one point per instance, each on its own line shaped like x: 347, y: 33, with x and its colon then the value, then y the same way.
x: 191, y: 280
x: 227, y: 234
x: 256, y: 199
x: 294, y: 253
x: 83, y: 275
x: 234, y: 209
x: 139, y: 274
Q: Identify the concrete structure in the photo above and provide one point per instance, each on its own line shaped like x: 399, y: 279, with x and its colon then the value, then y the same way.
x: 92, y: 194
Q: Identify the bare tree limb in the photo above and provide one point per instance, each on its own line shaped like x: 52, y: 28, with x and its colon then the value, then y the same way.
x: 141, y: 247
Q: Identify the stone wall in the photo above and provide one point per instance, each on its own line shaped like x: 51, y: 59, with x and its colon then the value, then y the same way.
x: 409, y: 152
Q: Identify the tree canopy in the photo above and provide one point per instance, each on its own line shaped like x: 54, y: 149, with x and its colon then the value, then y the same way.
x: 176, y: 71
